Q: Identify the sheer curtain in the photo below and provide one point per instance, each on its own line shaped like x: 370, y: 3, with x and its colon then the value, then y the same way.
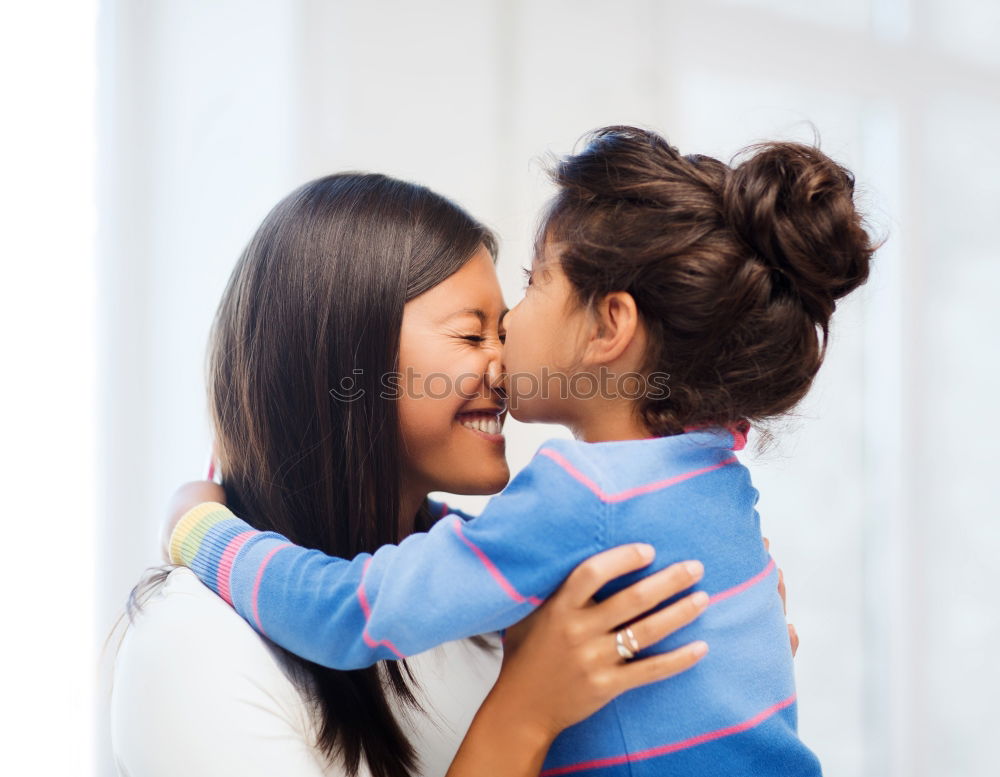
x: 875, y: 496
x: 48, y: 388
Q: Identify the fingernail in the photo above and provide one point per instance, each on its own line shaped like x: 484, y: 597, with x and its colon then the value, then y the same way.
x: 647, y: 552
x: 699, y: 648
x: 699, y: 598
x: 694, y: 568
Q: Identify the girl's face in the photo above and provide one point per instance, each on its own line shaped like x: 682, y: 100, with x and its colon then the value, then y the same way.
x: 545, y: 339
x: 451, y: 403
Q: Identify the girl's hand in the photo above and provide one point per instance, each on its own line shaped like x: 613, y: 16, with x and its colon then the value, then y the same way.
x: 561, y: 663
x: 186, y: 497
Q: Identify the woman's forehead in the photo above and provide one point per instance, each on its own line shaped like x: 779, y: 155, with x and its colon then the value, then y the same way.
x: 472, y: 292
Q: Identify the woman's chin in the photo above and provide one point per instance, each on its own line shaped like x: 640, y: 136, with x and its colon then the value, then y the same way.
x: 479, y: 484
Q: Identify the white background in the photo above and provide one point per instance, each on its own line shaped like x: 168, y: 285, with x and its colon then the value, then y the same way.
x: 143, y: 142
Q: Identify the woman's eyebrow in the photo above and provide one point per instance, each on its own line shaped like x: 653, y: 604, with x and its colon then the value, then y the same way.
x: 477, y: 312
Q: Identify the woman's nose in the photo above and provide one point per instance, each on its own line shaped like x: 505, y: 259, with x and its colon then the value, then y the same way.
x: 495, y: 366
x: 494, y: 369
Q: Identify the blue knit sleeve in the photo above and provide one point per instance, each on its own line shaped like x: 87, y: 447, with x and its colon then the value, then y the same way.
x: 463, y: 577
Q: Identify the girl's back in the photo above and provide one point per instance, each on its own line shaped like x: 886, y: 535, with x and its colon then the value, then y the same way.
x: 690, y: 497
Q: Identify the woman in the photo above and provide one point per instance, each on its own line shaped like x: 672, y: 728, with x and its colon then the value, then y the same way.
x: 356, y: 289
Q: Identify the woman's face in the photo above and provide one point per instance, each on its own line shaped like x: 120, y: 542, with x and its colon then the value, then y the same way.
x: 451, y: 406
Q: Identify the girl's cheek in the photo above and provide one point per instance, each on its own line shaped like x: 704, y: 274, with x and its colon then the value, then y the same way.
x: 512, y: 350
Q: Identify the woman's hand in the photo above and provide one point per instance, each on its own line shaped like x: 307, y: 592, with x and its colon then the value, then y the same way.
x: 561, y: 663
x: 186, y: 497
x: 793, y: 635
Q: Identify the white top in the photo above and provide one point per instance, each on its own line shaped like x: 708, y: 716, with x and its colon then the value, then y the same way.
x: 197, y: 692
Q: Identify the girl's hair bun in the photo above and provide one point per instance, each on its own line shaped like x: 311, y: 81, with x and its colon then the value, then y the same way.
x: 794, y: 208
x: 735, y: 270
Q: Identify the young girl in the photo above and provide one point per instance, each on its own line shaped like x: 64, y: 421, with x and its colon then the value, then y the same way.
x: 672, y: 300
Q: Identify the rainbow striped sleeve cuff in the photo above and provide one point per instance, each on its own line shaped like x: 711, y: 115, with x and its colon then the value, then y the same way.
x: 194, y: 528
x: 207, y: 539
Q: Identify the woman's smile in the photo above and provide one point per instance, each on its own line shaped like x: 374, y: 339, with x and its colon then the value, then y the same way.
x: 487, y: 424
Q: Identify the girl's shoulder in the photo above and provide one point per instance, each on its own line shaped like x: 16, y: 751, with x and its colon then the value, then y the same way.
x: 610, y: 469
x: 440, y: 509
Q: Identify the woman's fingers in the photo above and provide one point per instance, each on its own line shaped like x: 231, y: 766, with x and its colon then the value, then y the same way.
x: 591, y: 575
x: 642, y: 596
x: 665, y: 622
x: 561, y: 663
x: 661, y: 666
x: 793, y: 636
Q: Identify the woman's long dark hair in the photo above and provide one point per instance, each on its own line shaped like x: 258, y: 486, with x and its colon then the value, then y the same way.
x: 308, y: 325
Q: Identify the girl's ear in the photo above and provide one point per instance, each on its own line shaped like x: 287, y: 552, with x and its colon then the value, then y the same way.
x: 616, y: 327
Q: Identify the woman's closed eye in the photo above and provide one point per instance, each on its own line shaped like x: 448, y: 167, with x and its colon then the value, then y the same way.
x: 477, y: 339
x: 501, y: 337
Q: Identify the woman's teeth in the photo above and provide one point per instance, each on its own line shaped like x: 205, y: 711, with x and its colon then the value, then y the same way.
x: 487, y: 424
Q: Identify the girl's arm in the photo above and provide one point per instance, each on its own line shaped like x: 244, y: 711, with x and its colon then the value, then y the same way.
x: 460, y: 578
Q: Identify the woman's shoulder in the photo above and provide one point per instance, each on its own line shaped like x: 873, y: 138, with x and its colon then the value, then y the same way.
x: 182, y: 620
x: 182, y: 597
x: 196, y: 688
x: 197, y: 691
x: 183, y: 626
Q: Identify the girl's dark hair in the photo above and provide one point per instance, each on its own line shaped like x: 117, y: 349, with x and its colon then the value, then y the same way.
x: 735, y: 270
x: 310, y: 318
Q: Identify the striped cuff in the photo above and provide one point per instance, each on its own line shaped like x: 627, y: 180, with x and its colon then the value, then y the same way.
x: 212, y: 542
x: 192, y: 533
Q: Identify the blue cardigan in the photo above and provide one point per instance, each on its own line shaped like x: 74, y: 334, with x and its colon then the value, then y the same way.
x: 734, y: 713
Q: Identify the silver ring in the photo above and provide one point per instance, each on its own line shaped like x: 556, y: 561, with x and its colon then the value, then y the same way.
x: 626, y: 651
